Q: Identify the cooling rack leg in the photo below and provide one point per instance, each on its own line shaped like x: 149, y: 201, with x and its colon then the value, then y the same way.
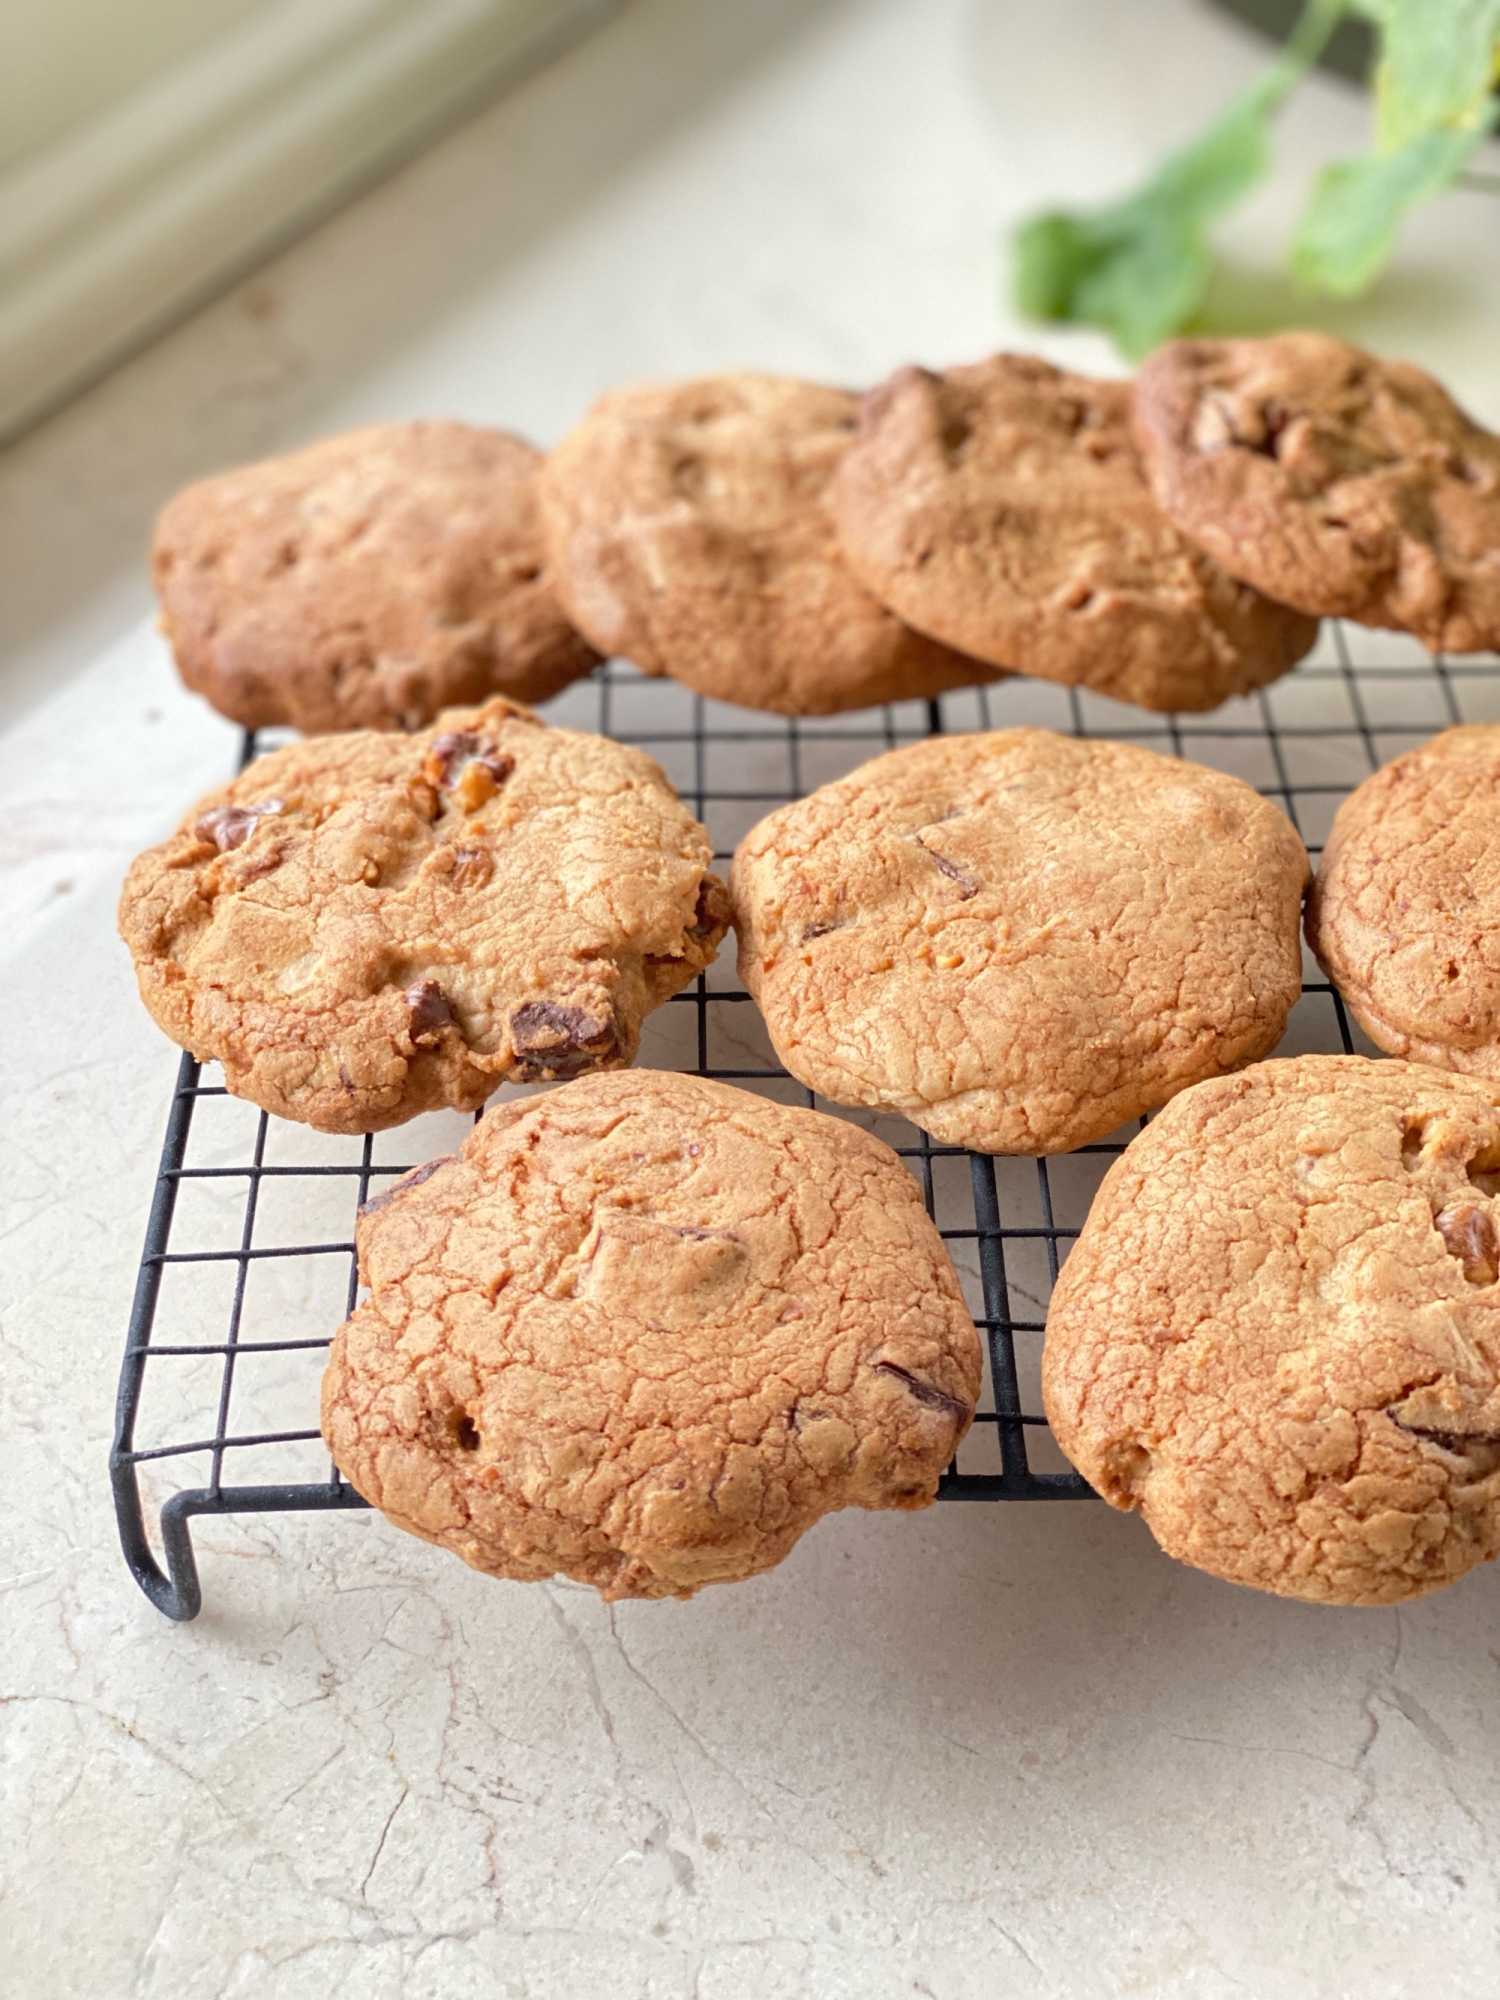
x: 122, y: 1471
x: 178, y: 1593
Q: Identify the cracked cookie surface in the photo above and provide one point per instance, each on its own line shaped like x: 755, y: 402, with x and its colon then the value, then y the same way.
x: 686, y: 526
x: 1405, y: 912
x: 366, y: 582
x: 644, y: 1331
x: 1278, y: 1336
x: 364, y: 927
x: 1351, y: 486
x: 1020, y: 940
x: 1003, y: 508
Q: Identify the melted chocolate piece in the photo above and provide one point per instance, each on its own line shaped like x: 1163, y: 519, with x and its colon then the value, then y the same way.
x: 407, y: 1181
x: 231, y: 826
x: 707, y: 918
x: 427, y: 1010
x: 472, y: 867
x: 1469, y: 1233
x: 929, y: 1397
x: 552, y: 1040
x: 797, y: 1417
x: 967, y: 886
x: 452, y: 752
x: 1457, y: 1442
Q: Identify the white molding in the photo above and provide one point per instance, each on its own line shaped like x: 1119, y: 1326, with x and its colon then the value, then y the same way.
x: 114, y: 230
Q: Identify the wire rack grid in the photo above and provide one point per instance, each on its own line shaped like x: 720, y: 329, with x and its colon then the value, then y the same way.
x: 248, y: 1266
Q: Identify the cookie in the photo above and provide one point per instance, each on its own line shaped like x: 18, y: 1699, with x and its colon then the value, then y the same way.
x: 686, y: 529
x: 1278, y: 1336
x: 1020, y: 940
x: 643, y: 1332
x: 1405, y: 913
x: 363, y: 927
x: 366, y: 583
x: 1349, y: 486
x: 1003, y: 509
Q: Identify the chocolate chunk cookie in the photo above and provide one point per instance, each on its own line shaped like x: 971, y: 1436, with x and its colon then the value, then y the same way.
x: 1019, y: 939
x: 1278, y: 1336
x: 686, y: 528
x: 1335, y: 481
x: 1003, y: 509
x: 643, y: 1332
x: 363, y: 927
x: 367, y: 582
x: 1405, y: 913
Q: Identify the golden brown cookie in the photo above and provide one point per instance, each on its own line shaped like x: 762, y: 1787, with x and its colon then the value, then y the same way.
x: 366, y: 582
x: 644, y: 1331
x: 686, y: 529
x: 1003, y: 509
x: 1338, y: 482
x: 363, y: 927
x: 1278, y: 1335
x: 1405, y: 913
x: 1018, y: 939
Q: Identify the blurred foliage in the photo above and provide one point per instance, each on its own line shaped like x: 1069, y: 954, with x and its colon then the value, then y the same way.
x: 1140, y: 267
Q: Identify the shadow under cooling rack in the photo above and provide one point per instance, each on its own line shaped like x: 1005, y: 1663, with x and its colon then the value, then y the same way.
x: 248, y: 1266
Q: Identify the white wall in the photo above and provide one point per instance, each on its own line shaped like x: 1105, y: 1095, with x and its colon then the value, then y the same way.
x: 150, y: 150
x: 61, y: 61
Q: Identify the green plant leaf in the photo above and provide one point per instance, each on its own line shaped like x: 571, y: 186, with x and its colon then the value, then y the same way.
x: 1433, y: 105
x: 1436, y: 68
x: 1140, y: 267
x: 1349, y: 227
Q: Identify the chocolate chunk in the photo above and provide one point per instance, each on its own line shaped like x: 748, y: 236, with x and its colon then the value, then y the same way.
x: 472, y: 867
x: 1274, y: 420
x: 1445, y: 1439
x: 1222, y: 421
x: 711, y: 913
x: 822, y: 928
x: 427, y: 1010
x: 797, y: 1417
x: 231, y: 826
x: 552, y: 1040
x: 455, y: 753
x: 929, y: 1397
x: 448, y: 747
x: 1469, y: 1233
x: 410, y: 1180
x: 967, y: 886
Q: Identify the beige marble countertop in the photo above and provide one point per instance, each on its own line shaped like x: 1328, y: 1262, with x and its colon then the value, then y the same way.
x: 970, y: 1754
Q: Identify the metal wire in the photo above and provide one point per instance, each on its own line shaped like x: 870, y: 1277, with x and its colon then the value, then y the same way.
x: 248, y: 1263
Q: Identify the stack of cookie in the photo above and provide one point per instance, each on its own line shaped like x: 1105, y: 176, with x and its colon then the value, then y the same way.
x: 644, y: 1330
x: 1278, y: 1336
x: 796, y: 548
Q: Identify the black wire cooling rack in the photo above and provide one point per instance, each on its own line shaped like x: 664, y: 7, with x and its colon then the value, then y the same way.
x: 248, y: 1266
